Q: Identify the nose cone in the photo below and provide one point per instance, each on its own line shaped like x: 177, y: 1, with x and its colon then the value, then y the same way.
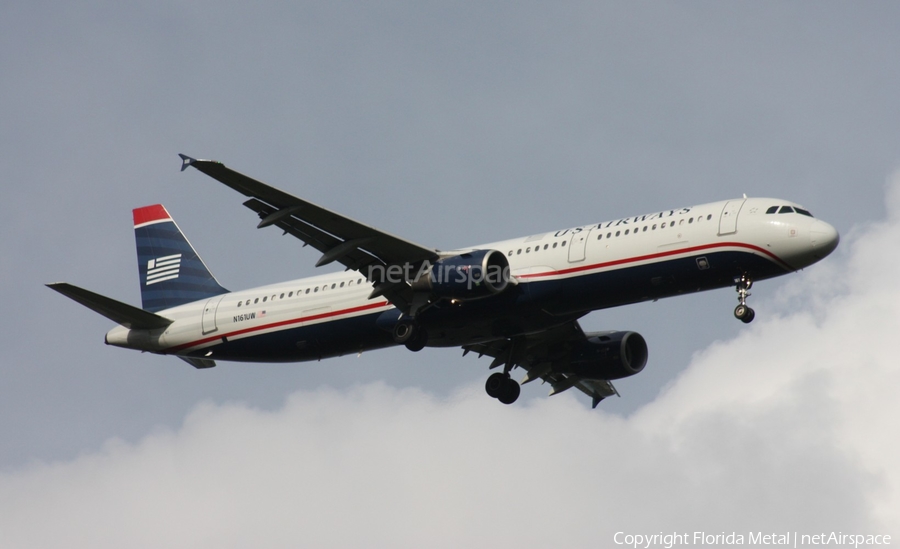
x: 823, y: 237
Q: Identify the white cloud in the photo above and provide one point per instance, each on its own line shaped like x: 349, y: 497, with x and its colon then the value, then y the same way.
x: 788, y: 427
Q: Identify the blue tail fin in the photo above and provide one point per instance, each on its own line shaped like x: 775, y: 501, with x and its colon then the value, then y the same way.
x: 171, y: 272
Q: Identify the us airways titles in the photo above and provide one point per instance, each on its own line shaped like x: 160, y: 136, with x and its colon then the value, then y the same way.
x: 624, y: 221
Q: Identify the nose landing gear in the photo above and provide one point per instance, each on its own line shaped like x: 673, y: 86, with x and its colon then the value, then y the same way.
x: 742, y: 312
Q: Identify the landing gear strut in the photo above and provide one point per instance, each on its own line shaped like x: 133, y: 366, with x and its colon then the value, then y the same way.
x: 742, y: 312
x: 502, y: 387
x: 410, y: 334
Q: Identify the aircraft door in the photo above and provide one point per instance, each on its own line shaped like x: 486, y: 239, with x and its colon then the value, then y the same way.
x: 728, y: 220
x: 209, y: 314
x: 578, y: 244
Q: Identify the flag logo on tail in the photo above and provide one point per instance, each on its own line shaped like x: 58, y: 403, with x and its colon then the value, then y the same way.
x: 163, y: 268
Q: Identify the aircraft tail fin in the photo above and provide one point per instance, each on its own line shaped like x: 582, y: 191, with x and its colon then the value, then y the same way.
x: 122, y: 313
x: 170, y: 270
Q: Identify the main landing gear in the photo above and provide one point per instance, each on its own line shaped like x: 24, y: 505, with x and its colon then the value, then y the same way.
x: 502, y: 387
x: 742, y: 312
x: 409, y: 333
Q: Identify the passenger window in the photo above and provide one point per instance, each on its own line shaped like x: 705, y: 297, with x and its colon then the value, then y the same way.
x: 342, y: 284
x: 239, y: 303
x: 680, y: 222
x: 554, y: 244
x: 672, y: 224
x: 519, y: 251
x: 608, y: 235
x: 618, y: 233
x: 528, y: 250
x: 510, y: 253
x: 316, y: 289
x: 772, y: 210
x: 626, y: 231
x: 264, y: 299
x: 708, y: 217
x: 307, y: 290
x: 255, y: 301
x: 691, y: 220
x: 273, y: 297
x: 281, y: 296
x: 333, y: 286
x: 546, y: 246
x: 563, y: 244
x: 291, y: 294
x: 786, y: 210
x: 599, y: 236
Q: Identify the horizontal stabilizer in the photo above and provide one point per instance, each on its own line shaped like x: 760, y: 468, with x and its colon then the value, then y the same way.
x: 122, y: 313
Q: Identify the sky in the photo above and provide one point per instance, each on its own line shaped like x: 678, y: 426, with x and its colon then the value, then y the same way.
x: 450, y: 124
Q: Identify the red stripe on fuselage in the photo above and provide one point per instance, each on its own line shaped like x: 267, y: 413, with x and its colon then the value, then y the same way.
x: 659, y: 255
x: 149, y: 214
x: 276, y: 325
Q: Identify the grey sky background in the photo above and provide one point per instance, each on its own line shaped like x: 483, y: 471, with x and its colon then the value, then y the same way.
x: 449, y: 124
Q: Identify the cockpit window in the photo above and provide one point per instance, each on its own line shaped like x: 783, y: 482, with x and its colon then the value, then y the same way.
x: 801, y: 211
x: 786, y: 210
x: 772, y: 210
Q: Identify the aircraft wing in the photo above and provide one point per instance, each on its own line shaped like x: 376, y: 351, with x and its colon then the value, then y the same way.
x: 339, y: 238
x: 538, y: 353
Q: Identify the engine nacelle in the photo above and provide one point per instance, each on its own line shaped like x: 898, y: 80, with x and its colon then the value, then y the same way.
x: 610, y: 355
x: 472, y: 275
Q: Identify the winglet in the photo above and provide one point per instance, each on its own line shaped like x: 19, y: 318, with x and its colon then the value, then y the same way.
x: 186, y: 161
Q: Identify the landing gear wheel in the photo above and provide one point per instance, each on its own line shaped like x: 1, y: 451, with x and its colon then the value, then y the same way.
x: 502, y: 387
x: 744, y: 313
x: 494, y: 384
x: 418, y: 340
x: 510, y: 392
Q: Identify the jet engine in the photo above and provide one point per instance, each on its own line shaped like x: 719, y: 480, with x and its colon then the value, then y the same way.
x: 609, y: 355
x: 472, y: 275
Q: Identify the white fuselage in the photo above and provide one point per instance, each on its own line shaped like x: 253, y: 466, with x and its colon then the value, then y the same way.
x: 702, y: 236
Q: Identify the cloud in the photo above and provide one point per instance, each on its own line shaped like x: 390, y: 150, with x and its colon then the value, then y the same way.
x: 788, y: 427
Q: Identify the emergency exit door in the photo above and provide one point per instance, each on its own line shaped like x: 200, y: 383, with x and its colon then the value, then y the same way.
x: 728, y: 220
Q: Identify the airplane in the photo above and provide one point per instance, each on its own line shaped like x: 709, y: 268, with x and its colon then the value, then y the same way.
x: 517, y: 301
